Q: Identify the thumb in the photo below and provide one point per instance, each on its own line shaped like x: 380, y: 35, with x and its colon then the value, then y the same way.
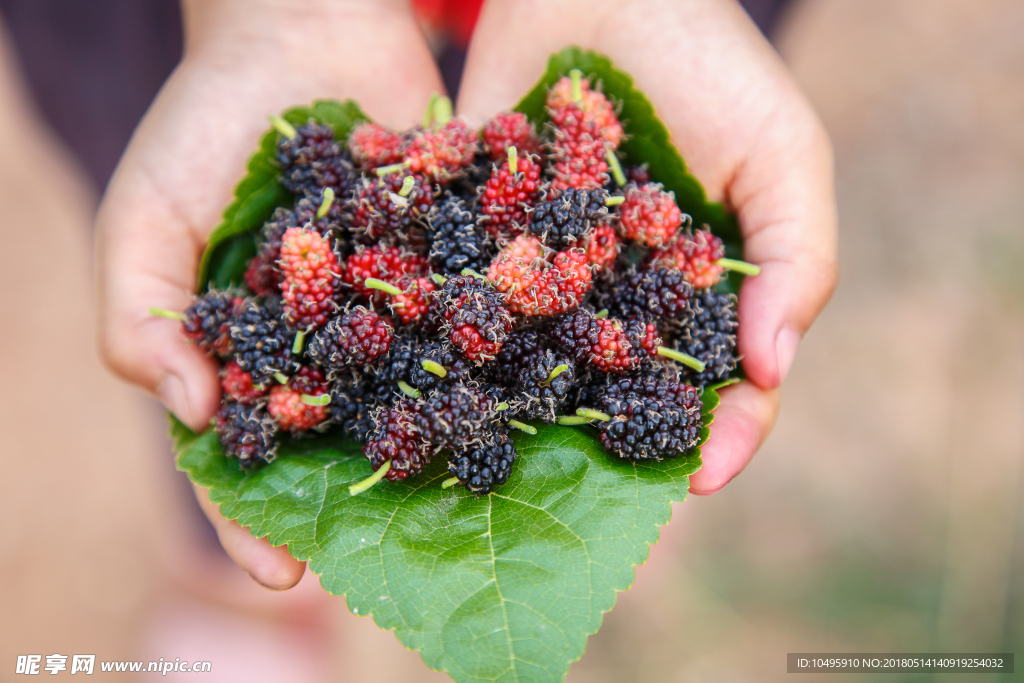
x: 784, y: 196
x: 147, y: 259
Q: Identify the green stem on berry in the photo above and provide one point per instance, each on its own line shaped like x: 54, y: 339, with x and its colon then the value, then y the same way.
x: 283, y: 127
x: 603, y: 313
x: 522, y: 426
x: 614, y: 201
x: 442, y: 110
x: 428, y: 115
x: 439, y: 279
x: 356, y: 489
x: 300, y: 340
x: 387, y: 170
x: 577, y: 85
x: 513, y: 162
x: 434, y: 367
x: 164, y: 313
x: 449, y: 482
x: 321, y: 400
x: 739, y: 266
x: 408, y: 390
x: 571, y: 420
x: 616, y: 168
x: 386, y: 287
x: 325, y: 205
x: 280, y: 377
x: 559, y: 369
x: 501, y: 406
x: 407, y: 186
x: 688, y: 361
x: 473, y: 273
x: 593, y: 414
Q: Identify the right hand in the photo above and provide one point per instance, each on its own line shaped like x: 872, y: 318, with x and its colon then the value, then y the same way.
x: 243, y: 59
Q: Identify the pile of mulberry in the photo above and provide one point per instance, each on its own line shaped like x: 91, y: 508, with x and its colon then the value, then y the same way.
x: 428, y: 292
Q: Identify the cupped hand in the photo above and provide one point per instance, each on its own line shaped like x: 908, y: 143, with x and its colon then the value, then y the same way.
x: 747, y: 134
x: 243, y: 59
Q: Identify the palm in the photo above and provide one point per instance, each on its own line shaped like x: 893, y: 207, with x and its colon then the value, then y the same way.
x: 179, y: 171
x: 746, y: 133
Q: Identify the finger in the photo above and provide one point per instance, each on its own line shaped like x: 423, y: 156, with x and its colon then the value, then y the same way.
x: 507, y: 55
x: 144, y: 265
x: 742, y: 421
x: 785, y: 201
x: 271, y: 567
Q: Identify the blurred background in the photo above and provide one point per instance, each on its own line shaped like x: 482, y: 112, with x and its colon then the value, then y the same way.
x: 884, y: 514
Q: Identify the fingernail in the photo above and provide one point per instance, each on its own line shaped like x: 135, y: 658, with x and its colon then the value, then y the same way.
x: 172, y: 394
x: 786, y: 343
x: 269, y: 588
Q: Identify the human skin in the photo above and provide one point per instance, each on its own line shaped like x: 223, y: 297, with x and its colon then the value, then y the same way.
x: 243, y: 60
x: 746, y: 132
x: 730, y: 106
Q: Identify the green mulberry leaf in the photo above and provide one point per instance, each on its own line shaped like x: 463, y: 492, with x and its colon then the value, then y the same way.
x: 503, y: 587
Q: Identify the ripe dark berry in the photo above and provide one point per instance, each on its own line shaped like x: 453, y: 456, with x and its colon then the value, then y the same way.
x: 568, y: 219
x: 456, y: 241
x: 543, y: 382
x: 238, y: 386
x: 510, y: 129
x: 643, y: 336
x: 355, y: 395
x: 208, y: 321
x: 607, y: 344
x: 711, y: 337
x: 456, y: 415
x: 246, y: 432
x: 508, y: 195
x: 638, y: 174
x: 396, y: 438
x: 485, y: 465
x: 313, y: 160
x: 311, y: 273
x: 650, y: 419
x: 477, y: 319
x: 519, y: 348
x: 657, y: 293
x: 262, y: 346
x: 356, y: 338
x: 404, y: 362
x: 574, y: 335
x: 388, y: 207
x: 261, y: 276
x: 310, y: 380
